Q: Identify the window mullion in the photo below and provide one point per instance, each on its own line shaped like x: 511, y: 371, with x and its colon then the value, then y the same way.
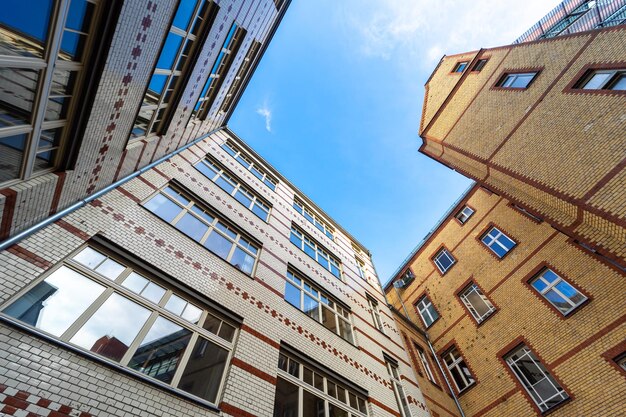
x: 180, y: 366
x: 86, y: 315
x: 132, y: 348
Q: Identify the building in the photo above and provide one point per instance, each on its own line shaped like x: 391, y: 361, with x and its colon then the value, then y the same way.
x: 523, y: 320
x: 517, y: 120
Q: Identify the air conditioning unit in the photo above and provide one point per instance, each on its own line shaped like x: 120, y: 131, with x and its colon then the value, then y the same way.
x: 406, y: 279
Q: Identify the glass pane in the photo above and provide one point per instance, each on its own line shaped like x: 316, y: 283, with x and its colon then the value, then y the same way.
x: 260, y: 212
x: 293, y: 368
x: 218, y: 244
x: 207, y: 169
x: 328, y: 319
x: 203, y: 214
x: 192, y: 227
x: 227, y: 332
x: 335, y: 270
x: 11, y: 155
x: 242, y: 260
x: 318, y: 382
x: 135, y: 282
x: 89, y: 257
x: 49, y: 139
x: 270, y: 184
x: 243, y: 198
x: 295, y: 239
x: 44, y: 160
x: 307, y: 376
x: 72, y: 46
x: 292, y: 294
x: 539, y: 285
x: 62, y: 82
x: 334, y: 411
x: 597, y: 80
x: 57, y: 108
x: 192, y: 313
x: 212, y: 323
x: 111, y: 330
x: 110, y: 269
x: 17, y: 94
x: 21, y: 19
x: 160, y: 351
x: 558, y: 301
x: 286, y: 399
x: 311, y: 307
x: 345, y: 330
x: 153, y: 292
x: 341, y: 394
x: 79, y: 15
x: 312, y: 406
x: 620, y: 83
x: 204, y: 370
x: 175, y: 305
x: 309, y: 250
x: 163, y: 207
x: 169, y: 51
x: 55, y: 303
x: 522, y: 81
x: 480, y: 304
x: 225, y: 185
x: 570, y: 292
x: 226, y: 230
x: 184, y: 13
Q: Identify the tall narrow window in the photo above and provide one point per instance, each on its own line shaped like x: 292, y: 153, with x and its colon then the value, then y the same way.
x: 360, y: 268
x: 375, y: 313
x: 220, y: 69
x: 476, y: 302
x: 518, y: 80
x: 189, y: 28
x: 498, y: 242
x: 315, y: 251
x: 425, y: 364
x: 427, y: 311
x: 464, y: 214
x: 544, y: 390
x: 100, y: 304
x: 43, y: 51
x: 247, y: 163
x: 313, y: 218
x: 444, y: 260
x: 558, y: 292
x: 398, y: 389
x: 459, y: 371
x: 244, y: 69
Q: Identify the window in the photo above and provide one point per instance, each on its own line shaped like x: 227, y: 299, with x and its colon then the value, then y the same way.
x: 229, y: 183
x: 318, y: 305
x: 603, y: 80
x: 444, y: 260
x: 520, y: 80
x: 311, y: 248
x: 563, y: 296
x: 189, y: 28
x: 241, y: 75
x: 222, y: 64
x: 464, y: 215
x: 427, y: 311
x: 459, y: 371
x: 621, y: 361
x: 304, y: 390
x: 398, y: 389
x: 360, y: 268
x: 253, y: 167
x: 460, y: 66
x: 480, y: 64
x: 425, y: 364
x: 372, y: 304
x: 42, y: 57
x: 100, y: 304
x: 544, y: 390
x: 314, y: 219
x: 204, y: 227
x: 477, y: 303
x: 498, y: 242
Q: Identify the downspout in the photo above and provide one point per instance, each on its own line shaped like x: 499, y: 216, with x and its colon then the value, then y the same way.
x: 406, y: 312
x: 81, y: 203
x: 445, y: 378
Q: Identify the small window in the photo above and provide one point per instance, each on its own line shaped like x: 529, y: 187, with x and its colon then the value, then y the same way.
x: 375, y: 313
x: 519, y: 80
x: 464, y: 215
x: 444, y: 260
x: 427, y: 311
x: 544, y: 390
x: 604, y: 80
x: 360, y: 268
x: 398, y: 389
x: 498, y: 242
x: 458, y: 369
x: 425, y: 364
x: 621, y: 361
x: 477, y: 303
x: 315, y: 251
x: 460, y: 66
x: 562, y: 295
x: 313, y: 218
x: 480, y: 64
x: 253, y: 167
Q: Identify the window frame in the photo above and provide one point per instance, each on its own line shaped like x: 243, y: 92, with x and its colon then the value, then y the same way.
x: 307, y: 241
x: 460, y: 67
x: 360, y: 268
x: 469, y: 286
x: 238, y: 154
x: 312, y: 217
x: 461, y: 213
x: 435, y: 260
x: 515, y: 73
x: 398, y: 389
x: 477, y: 67
x: 420, y: 299
x: 242, y: 74
x: 374, y: 311
x: 423, y: 358
x: 574, y: 86
x: 456, y: 363
x: 494, y: 241
x: 538, y: 272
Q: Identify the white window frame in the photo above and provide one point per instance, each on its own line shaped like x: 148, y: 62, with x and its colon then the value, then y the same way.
x: 423, y: 306
x: 320, y: 253
x: 398, y: 389
x: 613, y: 75
x: 424, y: 360
x: 464, y: 214
x: 458, y: 364
x: 259, y: 172
x: 375, y: 312
x: 436, y: 259
x: 552, y: 286
x: 313, y: 218
x: 494, y: 240
x: 464, y: 296
x: 509, y: 79
x: 360, y: 268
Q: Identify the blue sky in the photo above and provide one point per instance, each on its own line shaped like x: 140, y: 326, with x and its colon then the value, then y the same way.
x: 336, y: 101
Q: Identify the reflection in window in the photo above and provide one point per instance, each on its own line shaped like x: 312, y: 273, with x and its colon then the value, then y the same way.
x: 314, y: 219
x: 477, y: 303
x: 498, y: 242
x: 311, y: 248
x: 170, y: 339
x: 560, y: 293
x: 253, y: 167
x: 519, y: 80
x: 444, y: 260
x: 458, y: 369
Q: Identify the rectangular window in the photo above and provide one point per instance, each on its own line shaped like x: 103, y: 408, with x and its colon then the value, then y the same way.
x: 315, y: 251
x: 100, y: 304
x: 460, y: 66
x: 304, y: 390
x: 398, y: 389
x: 614, y: 79
x: 563, y: 296
x: 425, y: 364
x: 427, y: 311
x: 190, y: 27
x: 374, y: 312
x: 517, y: 80
x: 544, y: 390
x: 444, y: 260
x: 360, y: 268
x: 476, y: 302
x: 43, y: 54
x: 203, y: 226
x: 498, y: 242
x: 253, y: 167
x: 459, y: 371
x: 464, y: 214
x: 318, y: 305
x: 232, y: 185
x: 480, y: 64
x: 240, y: 77
x: 313, y: 218
x: 224, y: 60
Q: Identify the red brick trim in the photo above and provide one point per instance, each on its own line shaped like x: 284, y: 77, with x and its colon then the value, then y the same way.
x: 260, y: 336
x: 464, y: 286
x: 508, y: 71
x: 612, y: 354
x: 268, y: 286
x: 119, y: 165
x: 538, y: 270
x: 605, y: 179
x: 484, y: 232
x: 383, y: 406
x: 22, y: 400
x: 417, y: 300
x: 572, y: 88
x: 445, y: 349
x: 128, y: 194
x: 527, y: 213
x: 496, y: 403
x: 58, y: 189
x: 234, y: 411
x: 29, y: 256
x: 253, y: 370
x: 602, y: 258
x: 435, y: 253
x: 72, y: 229
x: 412, y: 356
x: 457, y: 212
x: 148, y: 183
x: 7, y: 213
x: 518, y: 341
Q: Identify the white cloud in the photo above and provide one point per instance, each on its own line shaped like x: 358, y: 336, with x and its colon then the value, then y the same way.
x: 266, y: 112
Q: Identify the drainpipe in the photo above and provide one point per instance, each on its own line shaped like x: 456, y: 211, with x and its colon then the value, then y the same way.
x: 406, y: 312
x: 81, y: 203
x: 445, y: 378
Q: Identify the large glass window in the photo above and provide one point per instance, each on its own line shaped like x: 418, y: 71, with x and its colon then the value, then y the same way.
x: 302, y: 390
x: 614, y: 79
x: 518, y: 80
x: 204, y: 227
x: 313, y: 218
x: 560, y: 293
x: 459, y: 371
x: 191, y: 23
x: 100, y: 304
x: 476, y: 302
x: 398, y: 389
x: 315, y: 303
x: 229, y: 183
x: 42, y: 54
x: 427, y: 311
x: 498, y: 242
x: 311, y: 248
x: 253, y: 167
x: 537, y: 381
x: 243, y: 70
x: 444, y: 260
